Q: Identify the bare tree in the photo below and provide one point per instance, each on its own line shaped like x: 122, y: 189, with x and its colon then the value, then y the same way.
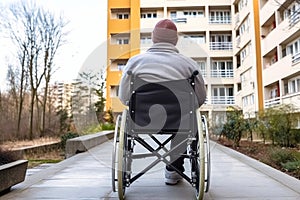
x: 37, y: 35
x: 52, y: 37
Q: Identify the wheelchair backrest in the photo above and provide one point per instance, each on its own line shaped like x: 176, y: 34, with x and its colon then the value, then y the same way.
x: 162, y: 107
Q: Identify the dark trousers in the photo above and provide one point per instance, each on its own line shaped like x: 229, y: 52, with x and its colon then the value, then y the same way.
x: 176, y: 158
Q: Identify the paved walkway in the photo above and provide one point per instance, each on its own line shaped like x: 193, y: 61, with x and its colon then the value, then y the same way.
x: 88, y: 176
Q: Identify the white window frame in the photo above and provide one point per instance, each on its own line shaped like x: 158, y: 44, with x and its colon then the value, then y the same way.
x: 149, y: 15
x: 193, y: 13
x: 202, y: 67
x: 222, y: 68
x: 220, y: 17
x: 294, y: 85
x: 122, y: 15
x: 121, y: 40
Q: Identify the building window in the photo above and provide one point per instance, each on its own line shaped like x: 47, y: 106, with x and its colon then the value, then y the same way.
x: 294, y: 86
x: 220, y: 17
x: 173, y: 15
x: 148, y: 15
x: 245, y: 52
x: 242, y: 4
x: 114, y: 91
x: 244, y: 26
x: 273, y: 93
x: 220, y: 42
x: 294, y: 49
x: 199, y: 39
x: 193, y: 13
x: 248, y: 100
x: 122, y: 15
x: 122, y: 41
x: 222, y: 95
x: 222, y: 69
x: 202, y: 68
x: 146, y: 40
x: 246, y: 77
x: 121, y: 66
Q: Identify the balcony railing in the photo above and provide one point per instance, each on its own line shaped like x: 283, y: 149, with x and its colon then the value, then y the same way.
x: 180, y: 20
x: 203, y: 73
x: 296, y: 58
x: 220, y: 45
x: 272, y: 102
x: 224, y: 100
x: 222, y: 73
x: 294, y: 18
x: 219, y: 20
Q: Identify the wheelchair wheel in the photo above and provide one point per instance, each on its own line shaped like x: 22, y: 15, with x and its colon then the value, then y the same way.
x: 114, y: 157
x: 122, y: 158
x: 207, y: 153
x: 198, y: 164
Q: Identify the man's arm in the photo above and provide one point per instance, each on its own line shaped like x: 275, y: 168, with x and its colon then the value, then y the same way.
x: 200, y: 89
x: 124, y: 88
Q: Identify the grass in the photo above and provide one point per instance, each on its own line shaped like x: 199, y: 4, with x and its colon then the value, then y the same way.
x: 36, y: 162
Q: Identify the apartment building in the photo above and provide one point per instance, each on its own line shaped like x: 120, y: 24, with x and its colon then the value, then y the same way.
x: 60, y: 94
x: 241, y: 47
x: 205, y: 34
x: 247, y: 57
x: 280, y: 32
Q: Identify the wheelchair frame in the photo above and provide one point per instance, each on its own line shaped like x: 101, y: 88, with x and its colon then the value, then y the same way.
x: 123, y: 155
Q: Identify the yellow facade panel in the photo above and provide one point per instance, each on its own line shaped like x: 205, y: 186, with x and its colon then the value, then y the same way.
x: 119, y: 3
x: 119, y: 51
x: 119, y: 25
x: 113, y: 77
x: 116, y: 105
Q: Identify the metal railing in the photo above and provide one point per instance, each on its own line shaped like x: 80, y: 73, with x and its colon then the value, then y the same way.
x: 220, y: 45
x: 220, y: 20
x: 222, y: 73
x: 296, y: 58
x: 272, y: 102
x: 294, y: 18
x: 224, y: 100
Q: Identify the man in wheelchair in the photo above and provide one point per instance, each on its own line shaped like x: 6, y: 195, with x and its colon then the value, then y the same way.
x: 162, y: 63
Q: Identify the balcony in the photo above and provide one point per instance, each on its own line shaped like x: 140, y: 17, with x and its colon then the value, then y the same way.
x: 180, y: 20
x: 287, y: 99
x: 223, y: 100
x: 294, y: 18
x: 272, y: 102
x: 222, y: 73
x: 220, y: 45
x: 281, y: 69
x: 296, y: 58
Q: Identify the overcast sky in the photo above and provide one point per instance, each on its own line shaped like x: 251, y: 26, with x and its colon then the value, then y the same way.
x: 87, y: 25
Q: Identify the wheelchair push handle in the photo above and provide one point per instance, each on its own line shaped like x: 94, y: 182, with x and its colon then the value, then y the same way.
x: 192, y: 78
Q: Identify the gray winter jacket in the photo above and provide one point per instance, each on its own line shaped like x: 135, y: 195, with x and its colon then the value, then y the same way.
x: 161, y: 62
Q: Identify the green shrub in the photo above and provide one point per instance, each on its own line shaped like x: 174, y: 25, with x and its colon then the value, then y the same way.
x: 65, y: 137
x: 92, y: 129
x: 107, y: 126
x: 291, y: 166
x: 280, y: 156
x: 295, y: 136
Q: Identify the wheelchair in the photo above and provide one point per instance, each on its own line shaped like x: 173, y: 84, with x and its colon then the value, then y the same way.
x: 161, y: 109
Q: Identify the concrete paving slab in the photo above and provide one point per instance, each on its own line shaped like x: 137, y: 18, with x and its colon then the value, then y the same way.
x: 88, y: 176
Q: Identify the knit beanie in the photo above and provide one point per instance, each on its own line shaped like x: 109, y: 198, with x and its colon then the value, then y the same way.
x: 165, y: 31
